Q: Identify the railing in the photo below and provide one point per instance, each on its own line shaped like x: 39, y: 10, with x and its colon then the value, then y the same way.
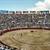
x: 22, y: 28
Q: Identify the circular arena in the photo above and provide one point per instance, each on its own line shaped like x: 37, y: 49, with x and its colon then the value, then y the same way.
x: 25, y: 31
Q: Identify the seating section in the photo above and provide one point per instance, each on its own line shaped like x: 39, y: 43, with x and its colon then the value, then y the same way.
x: 6, y: 47
x: 24, y: 20
x: 9, y: 22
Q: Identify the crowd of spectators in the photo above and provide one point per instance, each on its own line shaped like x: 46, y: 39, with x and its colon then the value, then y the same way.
x: 23, y: 20
x: 6, y: 47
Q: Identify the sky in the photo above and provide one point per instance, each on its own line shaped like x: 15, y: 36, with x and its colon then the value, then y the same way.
x: 21, y: 5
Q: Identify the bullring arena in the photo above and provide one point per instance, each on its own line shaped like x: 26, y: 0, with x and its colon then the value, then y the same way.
x: 25, y: 30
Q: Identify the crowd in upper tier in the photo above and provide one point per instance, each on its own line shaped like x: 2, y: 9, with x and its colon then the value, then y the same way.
x: 23, y: 20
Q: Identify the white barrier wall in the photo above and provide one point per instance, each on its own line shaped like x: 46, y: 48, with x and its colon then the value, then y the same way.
x: 32, y: 12
x: 24, y: 12
x: 18, y: 12
x: 42, y: 12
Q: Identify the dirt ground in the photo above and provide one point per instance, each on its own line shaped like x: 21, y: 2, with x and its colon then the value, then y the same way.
x: 33, y: 39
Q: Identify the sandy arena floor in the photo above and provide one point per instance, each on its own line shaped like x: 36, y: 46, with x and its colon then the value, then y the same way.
x: 28, y: 39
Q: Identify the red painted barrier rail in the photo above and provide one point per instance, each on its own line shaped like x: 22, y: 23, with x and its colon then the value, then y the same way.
x: 13, y: 29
